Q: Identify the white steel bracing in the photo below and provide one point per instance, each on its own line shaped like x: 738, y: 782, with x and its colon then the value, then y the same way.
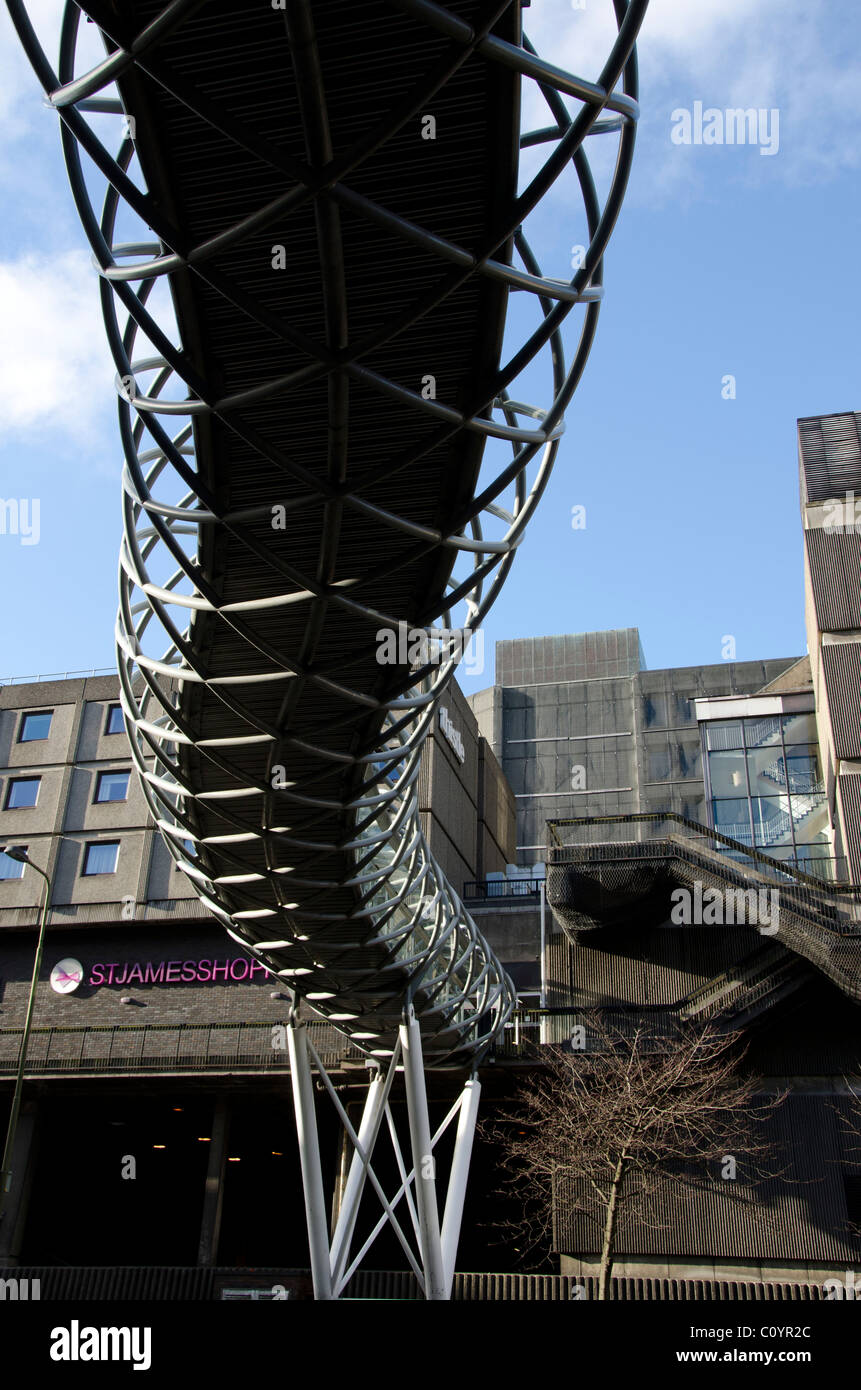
x: 429, y: 1242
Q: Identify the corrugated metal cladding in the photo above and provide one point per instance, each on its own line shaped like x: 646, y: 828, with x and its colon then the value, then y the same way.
x: 829, y: 453
x: 835, y: 577
x: 161, y: 1283
x: 799, y: 1216
x: 842, y: 665
x: 574, y: 656
x: 480, y: 1288
x: 849, y: 788
x: 497, y: 813
x: 177, y: 1285
x: 659, y: 966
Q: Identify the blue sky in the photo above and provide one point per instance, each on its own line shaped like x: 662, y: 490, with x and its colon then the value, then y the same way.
x: 725, y: 261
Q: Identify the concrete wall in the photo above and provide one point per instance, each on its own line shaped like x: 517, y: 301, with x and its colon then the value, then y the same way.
x: 609, y: 742
x: 467, y: 808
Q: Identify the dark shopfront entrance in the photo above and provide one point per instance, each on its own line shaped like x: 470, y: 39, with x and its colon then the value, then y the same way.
x: 86, y: 1208
x: 84, y: 1212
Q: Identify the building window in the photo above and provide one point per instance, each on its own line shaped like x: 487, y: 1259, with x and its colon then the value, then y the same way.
x: 732, y: 818
x: 723, y: 734
x: 11, y: 868
x: 21, y: 792
x: 726, y: 769
x: 112, y: 786
x: 799, y: 728
x: 188, y: 847
x: 34, y: 726
x: 115, y: 724
x: 757, y: 779
x: 100, y: 857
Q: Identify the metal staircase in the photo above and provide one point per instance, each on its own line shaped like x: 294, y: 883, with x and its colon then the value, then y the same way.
x: 600, y: 868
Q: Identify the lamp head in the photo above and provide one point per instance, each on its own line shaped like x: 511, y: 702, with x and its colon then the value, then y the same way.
x: 16, y: 852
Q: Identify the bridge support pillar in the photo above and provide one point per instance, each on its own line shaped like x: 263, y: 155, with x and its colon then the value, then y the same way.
x: 430, y: 1247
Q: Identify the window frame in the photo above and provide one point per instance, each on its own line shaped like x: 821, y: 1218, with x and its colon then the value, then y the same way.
x: 108, y: 731
x: 10, y: 786
x: 15, y: 878
x: 98, y: 844
x: 32, y: 714
x: 111, y: 772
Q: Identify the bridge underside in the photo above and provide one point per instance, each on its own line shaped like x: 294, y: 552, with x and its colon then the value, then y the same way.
x: 307, y: 251
x: 313, y: 337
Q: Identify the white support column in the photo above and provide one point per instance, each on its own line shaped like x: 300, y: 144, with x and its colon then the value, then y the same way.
x: 423, y: 1159
x: 458, y: 1178
x: 369, y: 1128
x: 309, y: 1153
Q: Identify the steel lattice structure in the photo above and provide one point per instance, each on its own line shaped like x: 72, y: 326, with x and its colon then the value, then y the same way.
x: 323, y: 438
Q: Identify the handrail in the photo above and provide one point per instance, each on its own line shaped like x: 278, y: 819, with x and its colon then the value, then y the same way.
x: 59, y: 676
x: 702, y: 831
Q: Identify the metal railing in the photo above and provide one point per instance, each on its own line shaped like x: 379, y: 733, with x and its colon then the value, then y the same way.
x: 59, y: 676
x: 495, y: 889
x: 642, y: 828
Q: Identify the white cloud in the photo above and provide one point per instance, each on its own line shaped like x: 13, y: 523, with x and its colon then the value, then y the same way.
x: 55, y: 368
x: 791, y: 54
x: 19, y: 86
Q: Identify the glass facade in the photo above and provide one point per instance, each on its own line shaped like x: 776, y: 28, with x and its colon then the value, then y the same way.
x: 765, y: 787
x: 590, y: 738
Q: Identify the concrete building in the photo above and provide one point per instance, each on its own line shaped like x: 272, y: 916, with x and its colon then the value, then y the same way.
x: 701, y: 779
x: 829, y: 457
x: 156, y: 1101
x: 153, y: 1037
x: 580, y: 727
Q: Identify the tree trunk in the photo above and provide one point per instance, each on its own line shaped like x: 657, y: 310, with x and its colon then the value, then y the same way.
x: 610, y: 1231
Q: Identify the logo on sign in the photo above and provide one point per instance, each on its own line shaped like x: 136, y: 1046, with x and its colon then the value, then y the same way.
x: 66, y: 975
x: 453, y: 735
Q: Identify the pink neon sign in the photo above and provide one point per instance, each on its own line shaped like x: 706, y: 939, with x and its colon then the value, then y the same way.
x: 173, y: 972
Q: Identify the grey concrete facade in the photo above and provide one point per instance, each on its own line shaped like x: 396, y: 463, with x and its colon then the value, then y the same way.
x: 467, y: 807
x: 581, y: 729
x: 829, y: 462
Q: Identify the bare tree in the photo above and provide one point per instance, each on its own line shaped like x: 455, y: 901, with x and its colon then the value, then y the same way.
x: 850, y: 1125
x: 610, y: 1123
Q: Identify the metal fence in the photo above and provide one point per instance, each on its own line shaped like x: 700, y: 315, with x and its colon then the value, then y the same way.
x: 496, y: 889
x: 178, y: 1284
x: 828, y: 874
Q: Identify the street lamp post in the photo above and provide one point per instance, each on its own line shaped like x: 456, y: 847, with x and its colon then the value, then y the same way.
x: 20, y: 855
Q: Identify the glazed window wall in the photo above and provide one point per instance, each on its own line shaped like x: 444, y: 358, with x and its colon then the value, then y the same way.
x: 765, y: 787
